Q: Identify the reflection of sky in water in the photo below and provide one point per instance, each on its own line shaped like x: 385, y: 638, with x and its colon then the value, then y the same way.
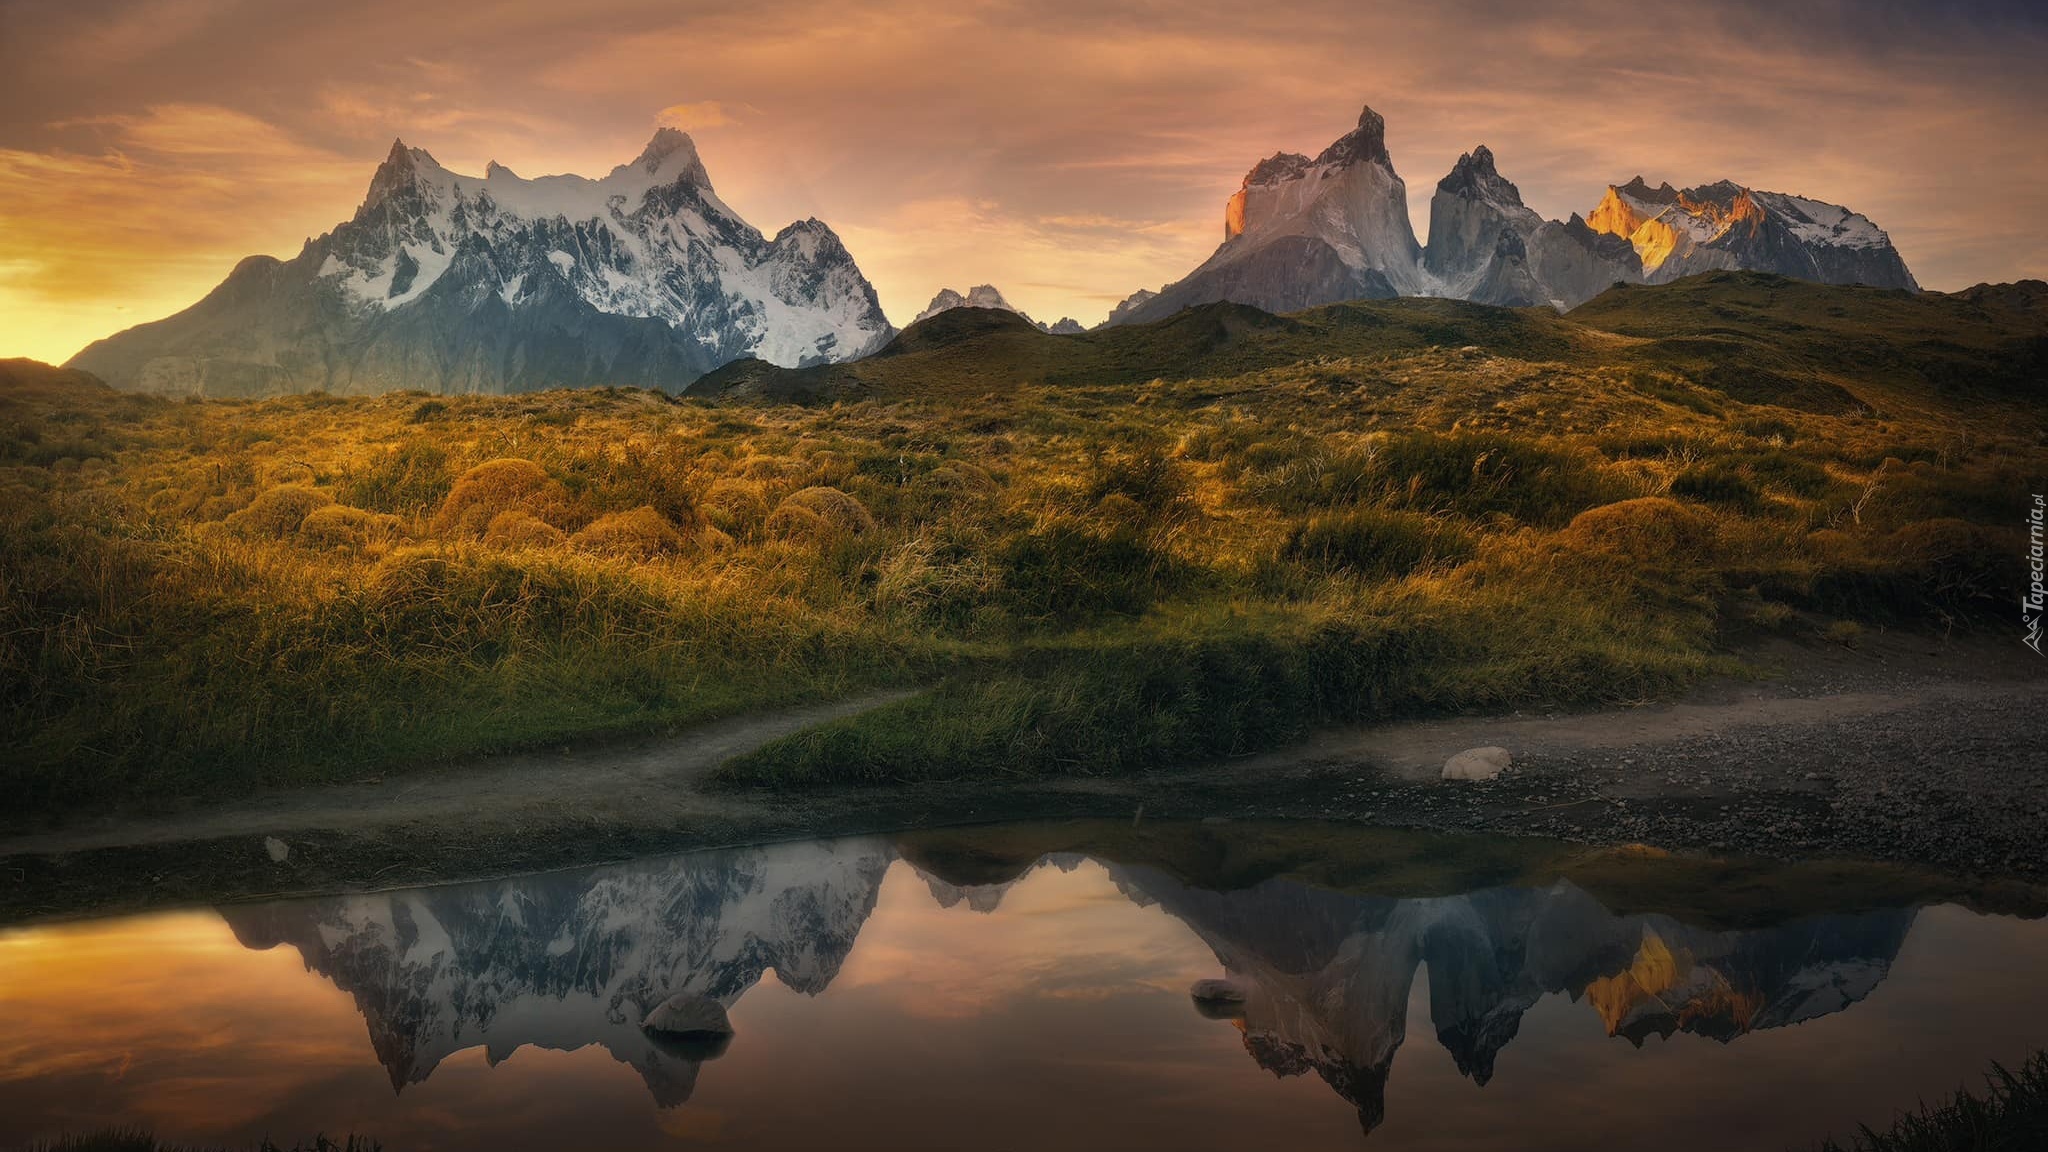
x: 1059, y: 1019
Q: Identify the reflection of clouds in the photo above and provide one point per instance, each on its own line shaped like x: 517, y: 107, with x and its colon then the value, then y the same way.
x: 1057, y: 935
x: 178, y: 1022
x: 1069, y: 108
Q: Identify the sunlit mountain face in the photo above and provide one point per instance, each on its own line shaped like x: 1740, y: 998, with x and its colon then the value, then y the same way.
x: 854, y: 975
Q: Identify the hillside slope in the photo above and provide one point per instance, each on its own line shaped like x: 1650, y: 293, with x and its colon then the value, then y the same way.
x: 1749, y: 336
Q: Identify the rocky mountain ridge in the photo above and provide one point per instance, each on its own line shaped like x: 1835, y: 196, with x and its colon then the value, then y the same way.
x: 453, y: 283
x: 1301, y: 232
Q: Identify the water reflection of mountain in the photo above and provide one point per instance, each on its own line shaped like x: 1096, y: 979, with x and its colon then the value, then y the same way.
x: 1327, y: 976
x: 576, y: 958
x: 570, y: 959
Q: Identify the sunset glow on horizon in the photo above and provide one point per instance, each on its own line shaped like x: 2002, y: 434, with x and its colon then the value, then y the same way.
x: 1067, y: 154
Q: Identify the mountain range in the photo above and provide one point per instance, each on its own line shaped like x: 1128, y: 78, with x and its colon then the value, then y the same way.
x: 454, y: 283
x: 447, y: 282
x: 575, y: 958
x: 1304, y: 231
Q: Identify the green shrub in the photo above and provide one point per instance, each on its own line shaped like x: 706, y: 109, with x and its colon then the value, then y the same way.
x: 735, y: 505
x: 1067, y: 572
x: 1319, y: 479
x: 1791, y: 473
x: 637, y: 475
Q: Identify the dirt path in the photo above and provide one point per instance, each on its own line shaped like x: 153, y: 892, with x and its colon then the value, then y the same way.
x: 1417, y: 751
x: 652, y: 780
x: 1905, y: 749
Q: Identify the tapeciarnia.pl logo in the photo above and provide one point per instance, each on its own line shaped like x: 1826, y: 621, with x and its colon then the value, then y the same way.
x: 2037, y: 595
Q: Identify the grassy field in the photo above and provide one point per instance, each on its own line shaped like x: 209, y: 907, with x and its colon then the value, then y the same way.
x: 1131, y: 548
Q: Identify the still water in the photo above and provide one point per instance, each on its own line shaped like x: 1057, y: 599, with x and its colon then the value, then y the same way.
x: 975, y: 992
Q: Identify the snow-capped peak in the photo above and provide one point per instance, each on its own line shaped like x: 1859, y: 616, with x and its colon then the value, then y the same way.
x: 1728, y: 225
x: 670, y: 156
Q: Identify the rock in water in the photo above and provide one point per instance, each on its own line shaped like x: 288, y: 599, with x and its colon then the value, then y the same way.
x: 1217, y: 991
x: 1477, y: 764
x: 1218, y: 999
x: 688, y: 1014
x: 276, y: 849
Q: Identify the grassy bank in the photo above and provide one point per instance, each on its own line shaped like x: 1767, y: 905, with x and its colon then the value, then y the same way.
x: 2010, y: 1113
x: 1331, y: 517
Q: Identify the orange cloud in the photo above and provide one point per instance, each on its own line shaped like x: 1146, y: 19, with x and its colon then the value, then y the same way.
x: 99, y: 241
x: 690, y: 117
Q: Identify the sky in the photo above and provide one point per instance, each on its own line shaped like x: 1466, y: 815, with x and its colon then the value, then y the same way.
x: 1068, y: 152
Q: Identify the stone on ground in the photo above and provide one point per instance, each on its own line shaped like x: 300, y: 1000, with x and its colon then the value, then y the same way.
x: 1477, y: 764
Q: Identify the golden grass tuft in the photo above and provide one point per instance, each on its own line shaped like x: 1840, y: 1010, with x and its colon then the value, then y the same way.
x: 820, y: 513
x: 496, y: 486
x: 277, y: 512
x: 340, y: 527
x: 1649, y: 530
x: 518, y: 528
x: 735, y: 505
x: 641, y: 534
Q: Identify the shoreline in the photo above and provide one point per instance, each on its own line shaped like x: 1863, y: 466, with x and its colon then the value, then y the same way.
x: 1907, y: 749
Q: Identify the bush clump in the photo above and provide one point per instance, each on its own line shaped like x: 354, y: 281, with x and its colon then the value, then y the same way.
x: 821, y: 513
x: 495, y: 486
x: 1066, y: 572
x: 642, y: 534
x: 338, y: 526
x: 1650, y: 530
x: 735, y: 505
x: 277, y: 512
x: 518, y: 528
x: 407, y: 480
